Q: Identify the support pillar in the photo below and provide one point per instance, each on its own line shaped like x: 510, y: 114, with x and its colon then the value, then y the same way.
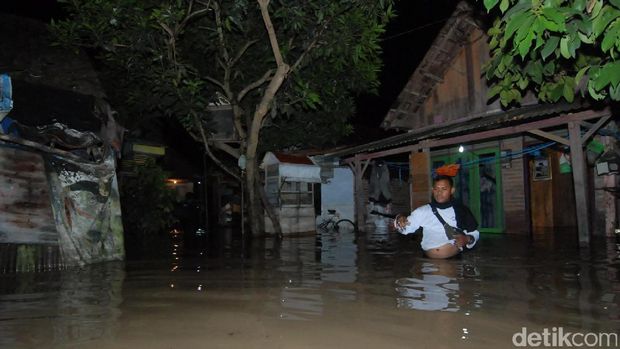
x: 579, y: 182
x: 609, y: 198
x: 359, y: 167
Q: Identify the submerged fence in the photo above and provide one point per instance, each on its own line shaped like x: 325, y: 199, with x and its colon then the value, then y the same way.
x: 29, y: 258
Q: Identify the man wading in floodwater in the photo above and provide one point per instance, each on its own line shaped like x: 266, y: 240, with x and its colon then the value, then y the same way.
x: 448, y: 227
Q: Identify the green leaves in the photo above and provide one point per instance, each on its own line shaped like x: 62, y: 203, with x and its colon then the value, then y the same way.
x: 553, y: 19
x: 556, y: 48
x: 609, y: 74
x: 489, y: 4
x: 170, y: 58
x: 550, y: 46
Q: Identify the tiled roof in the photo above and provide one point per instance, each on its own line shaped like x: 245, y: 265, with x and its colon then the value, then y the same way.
x: 293, y: 159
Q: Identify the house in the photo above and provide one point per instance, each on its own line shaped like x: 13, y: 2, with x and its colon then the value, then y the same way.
x: 290, y: 185
x: 509, y: 159
x: 59, y: 194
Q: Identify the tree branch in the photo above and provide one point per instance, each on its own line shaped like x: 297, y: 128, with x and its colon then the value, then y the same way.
x: 242, y: 51
x: 208, y: 150
x: 306, y: 52
x: 227, y: 148
x: 315, y: 40
x: 266, y: 77
x: 220, y: 33
x: 264, y: 4
x: 191, y: 14
x: 237, y: 113
x: 215, y: 82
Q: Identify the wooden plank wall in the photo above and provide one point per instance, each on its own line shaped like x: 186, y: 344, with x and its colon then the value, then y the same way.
x: 420, y: 178
x: 25, y: 210
x: 564, y: 214
x: 552, y: 201
x: 455, y: 96
x: 513, y: 186
x: 541, y: 199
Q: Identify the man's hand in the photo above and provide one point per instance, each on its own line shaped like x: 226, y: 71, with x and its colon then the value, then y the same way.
x: 462, y: 240
x: 400, y: 222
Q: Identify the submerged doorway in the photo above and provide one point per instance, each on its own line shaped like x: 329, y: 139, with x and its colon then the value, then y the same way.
x: 551, y: 192
x: 478, y: 185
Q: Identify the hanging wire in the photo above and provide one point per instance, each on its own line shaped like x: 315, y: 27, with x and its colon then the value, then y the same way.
x: 524, y: 151
x: 404, y: 166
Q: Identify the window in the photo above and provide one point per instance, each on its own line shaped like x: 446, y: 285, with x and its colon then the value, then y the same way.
x: 296, y: 193
x: 271, y: 190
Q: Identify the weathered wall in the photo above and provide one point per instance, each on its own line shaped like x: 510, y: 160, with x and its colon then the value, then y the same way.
x: 25, y: 211
x: 53, y: 206
x: 293, y: 220
x: 513, y: 189
x: 564, y: 211
x: 420, y: 178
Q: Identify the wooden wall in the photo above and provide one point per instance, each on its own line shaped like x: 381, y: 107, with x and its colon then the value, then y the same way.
x: 564, y: 211
x: 25, y: 211
x: 420, y: 165
x: 462, y: 92
x: 552, y: 202
x: 513, y: 189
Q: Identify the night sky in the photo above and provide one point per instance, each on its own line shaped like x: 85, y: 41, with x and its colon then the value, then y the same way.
x: 408, y: 38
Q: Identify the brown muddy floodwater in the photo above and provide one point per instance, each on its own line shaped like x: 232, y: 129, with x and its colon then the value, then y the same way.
x: 333, y: 290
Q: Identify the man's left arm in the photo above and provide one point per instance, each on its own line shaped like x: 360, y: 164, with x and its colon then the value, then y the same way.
x: 469, y: 225
x: 472, y: 238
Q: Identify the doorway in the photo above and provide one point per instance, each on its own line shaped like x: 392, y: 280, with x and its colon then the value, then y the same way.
x: 478, y: 185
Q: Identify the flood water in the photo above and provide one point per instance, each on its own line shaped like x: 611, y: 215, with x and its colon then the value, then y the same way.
x: 333, y: 290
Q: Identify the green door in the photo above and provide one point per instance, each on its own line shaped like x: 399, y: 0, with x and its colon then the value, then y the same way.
x: 478, y: 185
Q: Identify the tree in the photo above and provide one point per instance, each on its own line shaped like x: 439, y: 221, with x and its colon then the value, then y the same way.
x: 147, y: 205
x: 267, y: 58
x: 558, y: 48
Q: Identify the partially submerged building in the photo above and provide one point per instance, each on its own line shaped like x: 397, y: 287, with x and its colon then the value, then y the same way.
x: 521, y: 170
x: 290, y: 188
x: 59, y: 199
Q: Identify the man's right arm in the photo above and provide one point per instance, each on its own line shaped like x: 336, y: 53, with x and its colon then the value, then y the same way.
x: 407, y: 224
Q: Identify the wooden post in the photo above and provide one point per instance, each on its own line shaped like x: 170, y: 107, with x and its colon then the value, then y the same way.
x: 579, y: 182
x: 420, y: 169
x: 609, y: 199
x: 359, y: 166
x: 359, y: 201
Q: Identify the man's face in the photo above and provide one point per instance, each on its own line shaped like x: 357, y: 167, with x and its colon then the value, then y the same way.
x: 442, y: 191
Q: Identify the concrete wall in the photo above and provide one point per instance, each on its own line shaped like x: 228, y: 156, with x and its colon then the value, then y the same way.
x: 338, y: 193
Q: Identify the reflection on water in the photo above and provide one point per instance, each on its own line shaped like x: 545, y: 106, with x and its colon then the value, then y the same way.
x: 434, y: 286
x: 55, y: 308
x: 379, y: 287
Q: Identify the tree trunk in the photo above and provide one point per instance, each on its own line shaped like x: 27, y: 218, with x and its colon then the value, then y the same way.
x: 256, y: 123
x: 271, y: 213
x: 256, y: 213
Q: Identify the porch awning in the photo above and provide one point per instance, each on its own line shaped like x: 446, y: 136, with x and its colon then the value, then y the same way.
x: 485, y: 122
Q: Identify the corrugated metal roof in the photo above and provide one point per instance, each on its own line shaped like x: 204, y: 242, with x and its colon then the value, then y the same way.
x: 480, y: 123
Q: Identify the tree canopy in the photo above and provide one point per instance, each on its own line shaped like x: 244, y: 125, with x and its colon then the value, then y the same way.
x: 171, y: 57
x: 267, y: 58
x: 558, y: 48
